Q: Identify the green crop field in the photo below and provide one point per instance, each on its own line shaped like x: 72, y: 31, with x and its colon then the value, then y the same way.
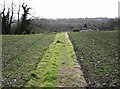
x: 74, y: 59
x: 21, y: 54
x: 97, y: 52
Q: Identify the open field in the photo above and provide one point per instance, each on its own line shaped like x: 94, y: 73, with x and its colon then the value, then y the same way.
x: 97, y: 53
x: 51, y: 60
x: 21, y: 55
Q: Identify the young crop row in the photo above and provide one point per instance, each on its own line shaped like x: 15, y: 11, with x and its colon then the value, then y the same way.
x: 97, y: 52
x: 12, y: 39
x: 20, y: 55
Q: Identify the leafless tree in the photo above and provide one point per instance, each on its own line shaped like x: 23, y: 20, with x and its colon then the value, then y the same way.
x: 18, y: 12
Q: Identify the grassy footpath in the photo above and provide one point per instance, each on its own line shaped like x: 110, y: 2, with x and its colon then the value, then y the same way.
x: 97, y: 52
x: 20, y: 55
x: 58, y: 67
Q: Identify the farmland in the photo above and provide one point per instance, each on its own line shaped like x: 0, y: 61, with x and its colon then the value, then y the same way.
x: 40, y: 61
x: 59, y: 44
x: 59, y: 67
x: 97, y: 52
x: 79, y: 59
x: 21, y: 54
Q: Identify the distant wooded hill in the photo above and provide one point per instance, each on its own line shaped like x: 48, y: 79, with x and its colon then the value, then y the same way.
x: 39, y: 25
x: 48, y: 25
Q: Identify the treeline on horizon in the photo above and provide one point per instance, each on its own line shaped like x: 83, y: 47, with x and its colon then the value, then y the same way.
x: 57, y: 25
x: 25, y: 25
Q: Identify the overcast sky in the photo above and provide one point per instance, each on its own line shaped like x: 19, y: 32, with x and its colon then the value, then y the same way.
x: 71, y: 8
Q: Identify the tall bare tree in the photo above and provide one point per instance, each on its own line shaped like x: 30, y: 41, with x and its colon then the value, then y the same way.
x: 18, y: 12
x: 3, y: 20
x: 25, y: 22
x: 11, y: 17
x: 7, y: 19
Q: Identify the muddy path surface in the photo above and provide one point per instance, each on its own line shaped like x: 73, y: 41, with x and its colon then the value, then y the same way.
x: 70, y: 72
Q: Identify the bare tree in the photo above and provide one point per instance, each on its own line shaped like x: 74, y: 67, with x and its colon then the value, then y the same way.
x: 25, y: 22
x: 7, y: 19
x: 3, y: 20
x: 18, y: 12
x: 11, y: 17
